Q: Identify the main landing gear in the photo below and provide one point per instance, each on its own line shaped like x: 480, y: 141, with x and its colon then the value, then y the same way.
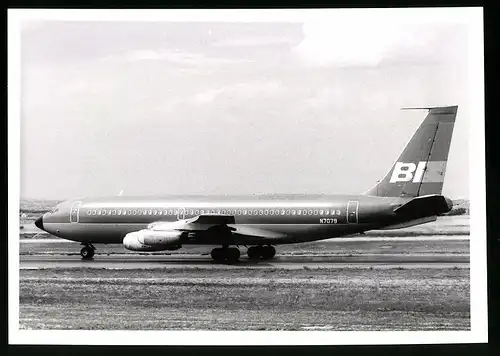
x: 232, y: 254
x: 261, y: 252
x: 226, y: 254
x: 87, y: 251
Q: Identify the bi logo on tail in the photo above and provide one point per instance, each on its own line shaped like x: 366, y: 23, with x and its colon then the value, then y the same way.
x: 405, y: 172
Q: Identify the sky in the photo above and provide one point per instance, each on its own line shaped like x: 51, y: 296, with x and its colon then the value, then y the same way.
x: 157, y: 108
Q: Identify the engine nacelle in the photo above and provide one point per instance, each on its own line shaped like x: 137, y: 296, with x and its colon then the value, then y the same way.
x: 147, y: 240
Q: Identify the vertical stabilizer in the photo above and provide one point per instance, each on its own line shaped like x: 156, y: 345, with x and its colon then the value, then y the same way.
x: 420, y: 169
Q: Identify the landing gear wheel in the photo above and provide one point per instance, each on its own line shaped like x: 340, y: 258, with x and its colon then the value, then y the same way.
x: 253, y: 253
x: 216, y: 254
x: 87, y: 252
x: 268, y: 252
x: 232, y: 255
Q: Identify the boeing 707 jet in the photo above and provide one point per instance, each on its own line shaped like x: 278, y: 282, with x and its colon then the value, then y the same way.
x: 409, y: 194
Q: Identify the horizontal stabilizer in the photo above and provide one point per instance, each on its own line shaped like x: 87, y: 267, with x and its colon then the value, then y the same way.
x: 425, y: 205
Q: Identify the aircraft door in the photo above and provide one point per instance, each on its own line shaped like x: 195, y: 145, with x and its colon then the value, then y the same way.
x: 75, y: 212
x: 181, y: 212
x: 352, y: 212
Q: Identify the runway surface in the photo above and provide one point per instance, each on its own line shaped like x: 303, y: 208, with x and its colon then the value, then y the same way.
x: 360, y: 283
x: 281, y: 262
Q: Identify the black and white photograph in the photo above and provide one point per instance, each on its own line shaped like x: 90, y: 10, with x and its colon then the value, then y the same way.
x: 224, y: 177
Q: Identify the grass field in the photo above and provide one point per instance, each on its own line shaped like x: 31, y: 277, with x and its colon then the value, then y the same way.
x: 243, y: 299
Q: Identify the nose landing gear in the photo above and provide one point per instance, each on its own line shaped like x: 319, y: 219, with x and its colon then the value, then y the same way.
x: 87, y: 251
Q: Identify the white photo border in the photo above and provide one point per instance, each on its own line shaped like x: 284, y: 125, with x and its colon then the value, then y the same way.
x: 472, y: 17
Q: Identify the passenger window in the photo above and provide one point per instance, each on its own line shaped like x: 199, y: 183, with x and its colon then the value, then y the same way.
x: 321, y: 212
x: 316, y: 212
x: 196, y: 212
x: 99, y: 212
x: 310, y: 212
x: 272, y: 212
x: 338, y: 212
x: 134, y: 212
x: 287, y: 211
x: 293, y: 212
x: 170, y: 212
x: 129, y: 212
x: 299, y: 212
x: 160, y: 212
x: 244, y: 212
x: 266, y: 212
x: 104, y: 212
x: 261, y: 212
x: 118, y: 212
x: 282, y: 212
x: 124, y: 212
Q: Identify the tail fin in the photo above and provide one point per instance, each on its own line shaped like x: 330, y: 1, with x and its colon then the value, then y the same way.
x: 420, y: 169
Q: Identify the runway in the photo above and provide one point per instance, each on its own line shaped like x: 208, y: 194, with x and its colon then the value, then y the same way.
x: 280, y: 262
x: 361, y: 283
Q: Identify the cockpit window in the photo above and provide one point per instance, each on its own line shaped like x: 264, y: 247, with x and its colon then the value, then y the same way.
x: 55, y: 209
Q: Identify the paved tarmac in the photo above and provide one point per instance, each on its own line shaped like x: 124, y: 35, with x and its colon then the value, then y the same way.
x: 281, y: 262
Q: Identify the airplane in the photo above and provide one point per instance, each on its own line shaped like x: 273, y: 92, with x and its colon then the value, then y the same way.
x: 409, y: 194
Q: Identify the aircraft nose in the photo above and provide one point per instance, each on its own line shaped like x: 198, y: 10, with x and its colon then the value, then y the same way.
x: 39, y: 222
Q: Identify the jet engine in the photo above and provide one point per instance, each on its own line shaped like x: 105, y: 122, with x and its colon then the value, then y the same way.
x: 147, y: 240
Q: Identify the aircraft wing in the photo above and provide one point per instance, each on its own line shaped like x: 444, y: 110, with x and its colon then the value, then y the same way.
x: 198, y: 223
x: 202, y: 223
x: 250, y: 231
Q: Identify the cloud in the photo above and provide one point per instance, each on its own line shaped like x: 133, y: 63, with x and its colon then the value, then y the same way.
x: 241, y: 91
x: 173, y: 56
x: 253, y: 41
x: 350, y: 42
